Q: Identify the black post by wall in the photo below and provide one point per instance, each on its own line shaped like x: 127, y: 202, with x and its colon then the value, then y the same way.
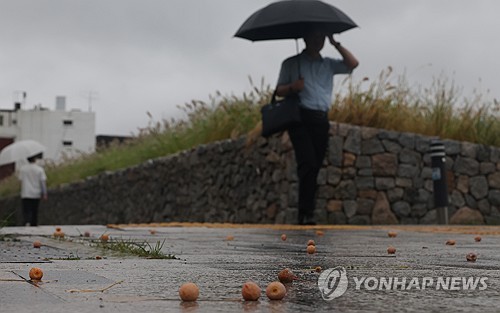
x: 438, y: 157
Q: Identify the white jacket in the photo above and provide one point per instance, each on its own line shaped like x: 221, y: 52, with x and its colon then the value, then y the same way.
x: 33, y: 178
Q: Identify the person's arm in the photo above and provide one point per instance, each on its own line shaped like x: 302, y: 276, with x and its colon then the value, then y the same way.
x: 289, y: 89
x: 286, y: 87
x: 348, y: 58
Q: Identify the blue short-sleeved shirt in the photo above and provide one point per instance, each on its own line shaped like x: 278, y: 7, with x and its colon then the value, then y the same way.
x: 318, y: 78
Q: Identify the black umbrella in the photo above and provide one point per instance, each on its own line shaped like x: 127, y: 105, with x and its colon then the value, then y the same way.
x: 289, y: 19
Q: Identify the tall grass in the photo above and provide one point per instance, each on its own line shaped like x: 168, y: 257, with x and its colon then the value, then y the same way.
x: 388, y: 102
x: 434, y: 111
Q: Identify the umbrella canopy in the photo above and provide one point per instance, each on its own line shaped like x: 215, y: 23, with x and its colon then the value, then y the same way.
x: 289, y: 19
x: 20, y: 150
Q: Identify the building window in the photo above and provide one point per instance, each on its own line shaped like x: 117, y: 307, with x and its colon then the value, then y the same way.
x: 67, y: 143
x: 67, y: 122
x: 1, y: 120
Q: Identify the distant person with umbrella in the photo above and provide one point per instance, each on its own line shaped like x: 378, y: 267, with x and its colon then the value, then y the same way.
x: 310, y: 75
x: 33, y: 188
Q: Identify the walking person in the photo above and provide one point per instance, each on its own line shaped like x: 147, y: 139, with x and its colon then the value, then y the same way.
x: 33, y: 188
x: 310, y: 75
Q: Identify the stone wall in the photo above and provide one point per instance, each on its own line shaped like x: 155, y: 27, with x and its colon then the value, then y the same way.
x: 370, y: 176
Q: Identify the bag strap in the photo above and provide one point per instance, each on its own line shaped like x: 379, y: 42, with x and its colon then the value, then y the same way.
x: 273, y: 99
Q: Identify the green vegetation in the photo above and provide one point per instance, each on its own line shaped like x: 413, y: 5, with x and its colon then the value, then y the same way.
x: 70, y: 257
x: 3, y: 223
x: 132, y: 247
x: 435, y: 111
x: 7, y: 221
x: 9, y: 237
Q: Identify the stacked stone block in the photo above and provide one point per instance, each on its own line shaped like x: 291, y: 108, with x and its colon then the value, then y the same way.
x: 369, y: 176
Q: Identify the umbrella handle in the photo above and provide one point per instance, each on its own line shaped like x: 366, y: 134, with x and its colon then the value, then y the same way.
x: 298, y: 58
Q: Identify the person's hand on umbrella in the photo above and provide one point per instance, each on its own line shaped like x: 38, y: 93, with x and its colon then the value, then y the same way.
x: 349, y: 59
x: 334, y: 43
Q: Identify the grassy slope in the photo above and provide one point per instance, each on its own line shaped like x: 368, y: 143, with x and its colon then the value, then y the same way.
x: 433, y: 111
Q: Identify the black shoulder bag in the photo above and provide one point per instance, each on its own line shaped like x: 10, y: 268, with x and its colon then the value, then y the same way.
x: 278, y: 116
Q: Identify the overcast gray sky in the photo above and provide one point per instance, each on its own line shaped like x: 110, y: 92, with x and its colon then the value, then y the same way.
x: 136, y: 56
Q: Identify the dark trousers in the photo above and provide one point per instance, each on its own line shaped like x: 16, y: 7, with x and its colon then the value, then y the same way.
x: 30, y: 211
x: 310, y: 141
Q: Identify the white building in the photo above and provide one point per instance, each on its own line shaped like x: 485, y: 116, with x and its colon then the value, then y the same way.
x: 64, y: 133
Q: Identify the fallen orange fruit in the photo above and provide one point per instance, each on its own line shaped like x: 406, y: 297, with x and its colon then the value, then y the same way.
x: 275, y: 291
x: 477, y: 238
x: 450, y: 242
x: 37, y: 244
x: 104, y: 237
x: 250, y: 291
x: 283, y: 237
x: 311, y: 249
x: 58, y: 228
x: 286, y: 276
x: 189, y: 292
x: 36, y: 273
x: 471, y: 257
x: 311, y: 243
x: 391, y: 250
x: 392, y: 234
x: 59, y: 234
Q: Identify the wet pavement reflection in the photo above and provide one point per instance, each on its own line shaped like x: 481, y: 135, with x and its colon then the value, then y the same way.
x: 221, y: 259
